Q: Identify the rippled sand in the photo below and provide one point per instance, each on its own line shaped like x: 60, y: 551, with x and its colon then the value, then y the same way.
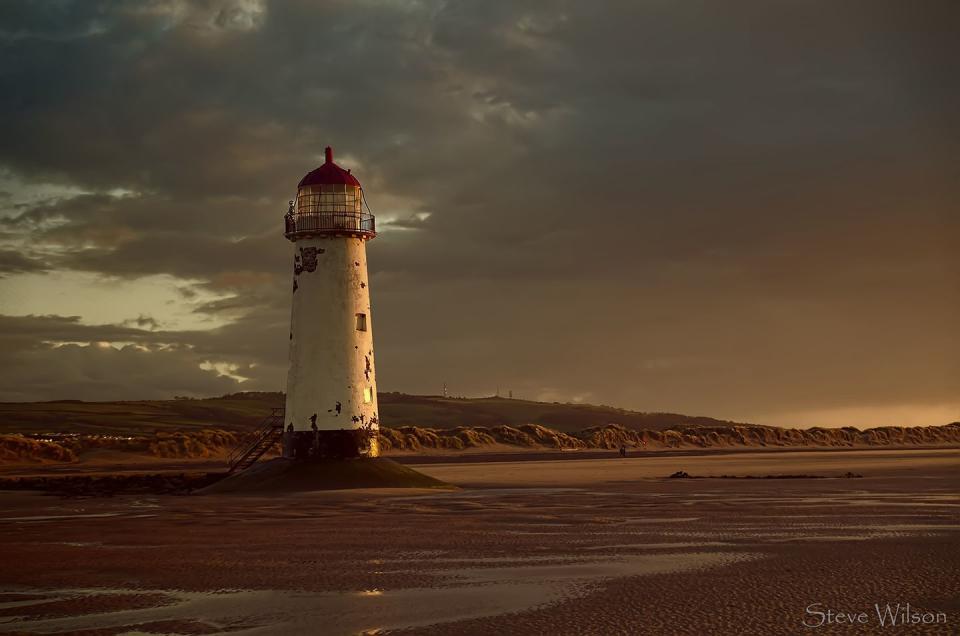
x: 561, y: 547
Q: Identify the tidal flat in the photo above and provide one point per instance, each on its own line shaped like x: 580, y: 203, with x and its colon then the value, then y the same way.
x: 585, y: 546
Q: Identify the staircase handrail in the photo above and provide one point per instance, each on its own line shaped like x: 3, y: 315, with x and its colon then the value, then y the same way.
x: 267, y: 426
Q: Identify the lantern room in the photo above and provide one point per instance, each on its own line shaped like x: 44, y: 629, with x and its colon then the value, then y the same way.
x: 329, y: 203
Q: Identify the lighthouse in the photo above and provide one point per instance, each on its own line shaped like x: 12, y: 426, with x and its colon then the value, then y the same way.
x: 331, y: 402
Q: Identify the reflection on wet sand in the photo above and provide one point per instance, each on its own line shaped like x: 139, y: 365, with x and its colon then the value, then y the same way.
x: 472, y: 593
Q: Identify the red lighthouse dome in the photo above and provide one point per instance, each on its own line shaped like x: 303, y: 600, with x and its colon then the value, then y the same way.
x: 328, y: 174
x: 329, y: 203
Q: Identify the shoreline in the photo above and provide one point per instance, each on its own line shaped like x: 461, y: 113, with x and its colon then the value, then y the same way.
x: 148, y: 465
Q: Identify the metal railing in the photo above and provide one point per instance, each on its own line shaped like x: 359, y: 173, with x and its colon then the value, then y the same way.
x: 354, y: 223
x: 270, y: 429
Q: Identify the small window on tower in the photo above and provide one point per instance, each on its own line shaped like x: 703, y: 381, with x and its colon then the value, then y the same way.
x: 361, y: 322
x: 367, y: 395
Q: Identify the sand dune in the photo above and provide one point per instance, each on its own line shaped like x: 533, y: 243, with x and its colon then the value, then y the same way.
x: 68, y: 430
x: 761, y: 436
x: 212, y: 444
x: 69, y: 447
x: 17, y: 448
x: 613, y: 436
x: 413, y: 438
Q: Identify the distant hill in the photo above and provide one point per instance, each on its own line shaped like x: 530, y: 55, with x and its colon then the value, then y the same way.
x: 429, y: 411
x: 243, y: 411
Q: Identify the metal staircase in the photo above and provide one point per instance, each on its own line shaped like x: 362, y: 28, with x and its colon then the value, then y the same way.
x: 268, y: 434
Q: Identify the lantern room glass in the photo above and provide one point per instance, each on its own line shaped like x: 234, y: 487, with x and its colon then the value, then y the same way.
x: 334, y: 208
x: 337, y: 198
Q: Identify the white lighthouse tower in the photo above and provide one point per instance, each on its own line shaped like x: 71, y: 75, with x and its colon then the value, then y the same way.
x: 331, y: 407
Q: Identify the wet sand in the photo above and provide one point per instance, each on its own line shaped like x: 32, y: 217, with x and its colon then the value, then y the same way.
x: 586, y: 546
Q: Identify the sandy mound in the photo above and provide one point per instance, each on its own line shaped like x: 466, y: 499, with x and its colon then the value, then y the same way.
x: 613, y: 436
x: 168, y: 444
x: 278, y: 476
x: 413, y: 438
x: 214, y: 444
x: 17, y: 448
x: 69, y: 447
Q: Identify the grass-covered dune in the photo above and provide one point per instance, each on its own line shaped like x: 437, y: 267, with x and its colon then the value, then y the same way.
x: 70, y: 431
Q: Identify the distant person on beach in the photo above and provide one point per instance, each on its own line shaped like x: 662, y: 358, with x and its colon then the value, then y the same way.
x: 623, y: 451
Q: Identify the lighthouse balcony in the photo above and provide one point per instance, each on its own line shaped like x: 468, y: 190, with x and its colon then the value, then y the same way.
x: 358, y: 224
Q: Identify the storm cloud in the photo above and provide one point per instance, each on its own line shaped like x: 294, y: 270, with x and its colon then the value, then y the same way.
x: 748, y: 209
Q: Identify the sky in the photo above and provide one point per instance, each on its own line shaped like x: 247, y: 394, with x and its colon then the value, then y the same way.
x: 746, y: 209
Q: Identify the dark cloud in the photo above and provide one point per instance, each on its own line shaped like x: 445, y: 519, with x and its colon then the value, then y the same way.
x: 55, y: 357
x: 725, y: 208
x: 143, y: 322
x: 13, y: 262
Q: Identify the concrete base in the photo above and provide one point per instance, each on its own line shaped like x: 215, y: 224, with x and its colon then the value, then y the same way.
x: 327, y: 445
x: 282, y: 475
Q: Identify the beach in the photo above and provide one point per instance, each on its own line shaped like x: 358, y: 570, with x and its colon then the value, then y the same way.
x: 587, y: 546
